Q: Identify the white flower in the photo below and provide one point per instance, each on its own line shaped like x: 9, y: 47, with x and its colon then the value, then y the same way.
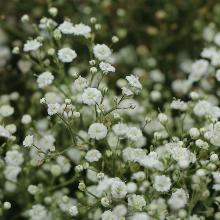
x: 136, y: 202
x: 6, y: 110
x: 97, y: 131
x: 120, y: 210
x: 162, y: 183
x: 106, y: 67
x: 202, y: 108
x: 64, y: 163
x: 11, y: 172
x: 80, y: 84
x: 126, y: 91
x: 45, y: 79
x: 14, y: 158
x: 66, y: 27
x: 53, y: 108
x: 26, y: 119
x: 178, y: 199
x: 108, y: 215
x: 151, y: 161
x: 102, y: 52
x: 217, y: 39
x: 32, y: 45
x: 199, y: 69
x: 118, y: 189
x: 182, y: 155
x: 91, y: 96
x: 133, y: 154
x: 120, y: 129
x: 93, y: 155
x: 38, y: 212
x: 73, y: 211
x: 4, y: 132
x: 28, y: 141
x: 140, y: 216
x: 217, y: 75
x: 213, y: 134
x: 178, y: 105
x: 134, y: 81
x: 134, y: 134
x: 81, y: 29
x: 67, y: 55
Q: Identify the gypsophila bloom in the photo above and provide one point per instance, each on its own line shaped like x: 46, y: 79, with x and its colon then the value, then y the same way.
x: 32, y: 189
x: 120, y: 129
x: 134, y: 134
x: 178, y: 199
x: 66, y: 55
x: 45, y: 79
x: 199, y: 69
x: 38, y: 212
x: 118, y: 189
x: 81, y: 30
x: 53, y: 108
x: 91, y: 96
x: 97, y: 131
x: 213, y: 134
x: 14, y: 158
x: 66, y: 27
x: 28, y: 141
x: 108, y: 215
x: 162, y: 183
x: 80, y: 84
x: 140, y: 216
x: 102, y: 52
x: 217, y: 75
x: 134, y: 81
x: 32, y: 45
x: 93, y: 155
x: 106, y: 67
x: 4, y: 132
x: 202, y: 108
x: 6, y: 110
x: 136, y: 202
x: 178, y: 105
x: 73, y: 211
x: 26, y: 119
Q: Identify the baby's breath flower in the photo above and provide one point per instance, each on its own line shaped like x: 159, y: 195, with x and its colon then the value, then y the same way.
x: 66, y: 55
x: 32, y: 45
x: 97, y: 131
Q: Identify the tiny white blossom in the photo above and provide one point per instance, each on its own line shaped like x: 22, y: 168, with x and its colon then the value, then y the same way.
x: 162, y: 183
x: 118, y: 189
x: 45, y: 79
x: 134, y: 81
x: 28, y: 141
x: 4, y: 132
x: 67, y: 55
x: 73, y: 211
x: 53, y: 108
x: 66, y: 27
x: 91, y: 96
x: 106, y: 67
x: 6, y: 110
x: 32, y: 45
x: 178, y: 199
x: 81, y: 29
x: 136, y: 202
x: 102, y: 52
x: 93, y: 155
x: 97, y: 131
x: 134, y: 134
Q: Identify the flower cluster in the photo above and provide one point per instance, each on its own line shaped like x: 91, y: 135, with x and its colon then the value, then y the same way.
x: 90, y: 150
